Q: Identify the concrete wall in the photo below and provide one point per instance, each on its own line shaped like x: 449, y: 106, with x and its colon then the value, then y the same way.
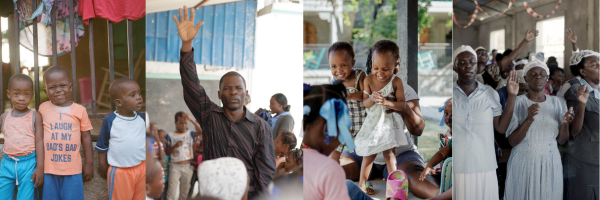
x: 580, y: 15
x: 166, y: 98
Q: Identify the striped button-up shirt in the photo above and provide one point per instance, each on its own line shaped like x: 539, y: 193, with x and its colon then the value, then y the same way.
x: 248, y: 139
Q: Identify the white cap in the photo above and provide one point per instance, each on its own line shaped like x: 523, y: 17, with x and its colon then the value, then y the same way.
x: 579, y: 55
x: 459, y: 50
x: 223, y: 178
x: 535, y: 63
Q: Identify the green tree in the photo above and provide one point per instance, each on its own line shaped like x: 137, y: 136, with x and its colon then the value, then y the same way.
x: 380, y: 19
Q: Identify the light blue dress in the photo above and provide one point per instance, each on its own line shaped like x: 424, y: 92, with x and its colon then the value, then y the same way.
x: 534, y: 167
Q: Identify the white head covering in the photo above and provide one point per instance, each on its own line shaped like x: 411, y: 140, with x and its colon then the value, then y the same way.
x: 462, y: 48
x: 521, y: 76
x: 579, y: 55
x: 223, y: 178
x: 535, y: 63
x: 522, y: 62
x: 537, y: 56
x: 479, y: 48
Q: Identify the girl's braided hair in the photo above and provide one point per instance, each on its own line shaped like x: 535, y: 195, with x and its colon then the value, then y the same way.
x: 288, y: 138
x: 298, y: 154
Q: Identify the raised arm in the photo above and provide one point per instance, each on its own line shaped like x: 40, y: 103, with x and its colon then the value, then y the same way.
x: 577, y: 102
x: 196, y: 124
x: 563, y: 134
x: 572, y: 36
x: 194, y: 94
x: 529, y: 36
x: 501, y: 122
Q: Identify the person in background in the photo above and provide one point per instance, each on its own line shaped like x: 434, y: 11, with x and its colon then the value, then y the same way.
x: 580, y: 162
x: 497, y: 74
x: 283, y: 120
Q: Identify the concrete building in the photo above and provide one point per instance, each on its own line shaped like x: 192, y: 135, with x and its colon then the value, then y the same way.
x: 508, y: 30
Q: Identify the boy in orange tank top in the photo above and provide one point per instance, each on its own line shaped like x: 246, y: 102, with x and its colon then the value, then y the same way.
x: 23, y: 162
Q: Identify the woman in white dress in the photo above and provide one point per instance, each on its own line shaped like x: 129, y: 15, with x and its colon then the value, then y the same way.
x: 538, y: 123
x: 477, y: 111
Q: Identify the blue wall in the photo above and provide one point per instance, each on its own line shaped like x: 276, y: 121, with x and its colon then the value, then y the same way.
x: 225, y: 40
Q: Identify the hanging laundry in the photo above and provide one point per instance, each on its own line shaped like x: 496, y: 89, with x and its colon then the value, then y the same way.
x: 112, y: 10
x: 43, y: 14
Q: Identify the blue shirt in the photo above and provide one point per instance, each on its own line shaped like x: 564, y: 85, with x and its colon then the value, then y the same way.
x: 124, y: 138
x: 473, y: 129
x: 503, y: 94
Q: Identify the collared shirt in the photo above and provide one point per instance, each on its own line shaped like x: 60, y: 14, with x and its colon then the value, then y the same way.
x: 473, y: 129
x: 248, y: 139
x: 594, y: 92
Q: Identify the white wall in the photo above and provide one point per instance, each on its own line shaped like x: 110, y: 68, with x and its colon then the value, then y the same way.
x: 278, y: 66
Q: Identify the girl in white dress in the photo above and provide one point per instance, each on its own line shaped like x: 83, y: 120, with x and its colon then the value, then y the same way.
x: 381, y: 132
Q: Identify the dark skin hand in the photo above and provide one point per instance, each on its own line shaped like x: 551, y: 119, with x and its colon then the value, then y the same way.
x: 86, y: 140
x: 583, y: 94
x: 572, y: 36
x: 102, y: 164
x: 504, y: 63
x: 38, y: 174
x: 537, y: 78
x: 415, y: 123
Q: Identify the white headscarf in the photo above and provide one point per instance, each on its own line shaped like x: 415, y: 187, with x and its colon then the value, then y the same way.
x: 462, y: 48
x: 223, y: 178
x: 522, y: 62
x: 480, y: 48
x: 535, y: 63
x: 578, y: 56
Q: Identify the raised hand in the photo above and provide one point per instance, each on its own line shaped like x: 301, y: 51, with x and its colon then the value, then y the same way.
x: 530, y: 35
x: 532, y: 111
x: 425, y: 172
x: 571, y: 35
x: 201, y: 4
x: 569, y: 116
x: 583, y: 93
x: 513, y: 83
x: 187, y: 30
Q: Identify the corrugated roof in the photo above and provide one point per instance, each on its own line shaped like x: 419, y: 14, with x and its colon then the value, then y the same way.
x: 225, y: 40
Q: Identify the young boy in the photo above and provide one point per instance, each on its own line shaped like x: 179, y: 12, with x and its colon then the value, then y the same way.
x: 122, y: 143
x: 66, y: 128
x: 23, y: 142
x: 179, y: 145
x: 162, y: 138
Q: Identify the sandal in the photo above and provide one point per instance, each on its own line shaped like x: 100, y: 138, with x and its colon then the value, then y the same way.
x: 397, y: 185
x: 370, y: 190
